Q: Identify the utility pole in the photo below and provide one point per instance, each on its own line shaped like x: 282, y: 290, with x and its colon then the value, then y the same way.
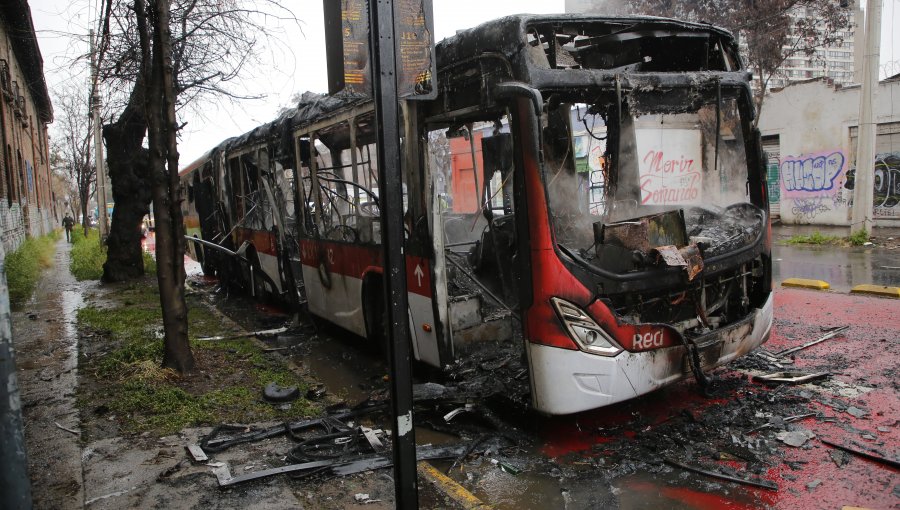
x: 98, y: 143
x: 863, y: 193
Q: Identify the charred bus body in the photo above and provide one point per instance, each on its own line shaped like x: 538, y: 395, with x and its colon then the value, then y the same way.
x: 588, y: 190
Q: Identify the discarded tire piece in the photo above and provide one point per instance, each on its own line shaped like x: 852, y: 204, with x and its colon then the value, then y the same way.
x: 275, y: 393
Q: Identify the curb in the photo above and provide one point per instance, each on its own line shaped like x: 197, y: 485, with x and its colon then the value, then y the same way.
x: 805, y: 283
x: 877, y: 290
x: 449, y: 488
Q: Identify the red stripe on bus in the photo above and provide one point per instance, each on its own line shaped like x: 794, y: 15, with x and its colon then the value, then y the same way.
x: 355, y: 261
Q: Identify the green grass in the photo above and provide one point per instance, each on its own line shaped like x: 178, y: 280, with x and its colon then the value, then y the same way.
x: 88, y: 256
x: 146, y: 397
x: 816, y: 238
x: 859, y: 238
x: 24, y: 266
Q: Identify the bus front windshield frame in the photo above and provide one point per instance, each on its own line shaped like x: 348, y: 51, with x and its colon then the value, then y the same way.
x: 674, y: 161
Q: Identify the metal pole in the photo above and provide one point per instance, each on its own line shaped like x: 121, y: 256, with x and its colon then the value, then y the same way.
x: 387, y: 116
x: 863, y: 193
x: 98, y: 145
x: 15, y: 487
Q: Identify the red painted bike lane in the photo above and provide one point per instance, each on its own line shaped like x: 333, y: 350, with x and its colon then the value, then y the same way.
x: 856, y: 406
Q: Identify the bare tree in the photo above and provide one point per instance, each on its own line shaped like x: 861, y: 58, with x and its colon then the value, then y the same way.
x: 159, y: 100
x: 72, y: 147
x: 768, y: 28
x: 213, y: 42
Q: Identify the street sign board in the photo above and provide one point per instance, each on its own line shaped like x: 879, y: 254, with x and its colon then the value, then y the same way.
x: 347, y: 46
x: 348, y: 52
x: 416, y: 61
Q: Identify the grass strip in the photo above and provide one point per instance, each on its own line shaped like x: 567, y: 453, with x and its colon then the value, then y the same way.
x: 24, y: 266
x: 124, y: 361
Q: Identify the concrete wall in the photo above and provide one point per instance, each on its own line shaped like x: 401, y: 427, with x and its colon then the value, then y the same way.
x: 814, y: 122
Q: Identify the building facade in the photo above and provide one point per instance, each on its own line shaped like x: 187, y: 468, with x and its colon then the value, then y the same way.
x: 810, y: 132
x: 27, y: 202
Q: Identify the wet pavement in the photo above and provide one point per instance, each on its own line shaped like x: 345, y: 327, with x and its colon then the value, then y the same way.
x: 842, y: 268
x: 46, y: 342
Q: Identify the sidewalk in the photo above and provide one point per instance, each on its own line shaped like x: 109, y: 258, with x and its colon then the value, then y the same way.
x: 47, y: 354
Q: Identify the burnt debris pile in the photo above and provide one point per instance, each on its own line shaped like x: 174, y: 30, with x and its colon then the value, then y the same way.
x: 723, y: 231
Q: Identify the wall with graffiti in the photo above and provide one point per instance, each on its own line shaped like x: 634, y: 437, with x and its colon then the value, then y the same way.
x: 814, y: 125
x: 812, y: 188
x: 886, y: 186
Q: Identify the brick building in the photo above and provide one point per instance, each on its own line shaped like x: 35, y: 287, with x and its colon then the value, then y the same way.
x: 27, y: 203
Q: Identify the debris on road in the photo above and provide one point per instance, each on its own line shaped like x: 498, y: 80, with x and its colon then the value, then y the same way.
x: 764, y: 484
x: 790, y: 377
x: 246, y: 334
x: 795, y: 438
x: 834, y: 332
x: 197, y: 453
x: 866, y: 455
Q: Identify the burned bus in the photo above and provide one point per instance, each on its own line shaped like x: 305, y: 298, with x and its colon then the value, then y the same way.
x: 589, y: 191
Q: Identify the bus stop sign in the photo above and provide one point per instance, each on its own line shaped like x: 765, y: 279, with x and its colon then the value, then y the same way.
x: 416, y: 61
x: 349, y: 55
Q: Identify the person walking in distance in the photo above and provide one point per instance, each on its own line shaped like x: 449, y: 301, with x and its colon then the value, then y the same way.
x: 68, y: 223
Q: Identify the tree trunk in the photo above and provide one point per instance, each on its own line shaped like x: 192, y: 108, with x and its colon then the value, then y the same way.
x: 160, y: 108
x: 130, y: 178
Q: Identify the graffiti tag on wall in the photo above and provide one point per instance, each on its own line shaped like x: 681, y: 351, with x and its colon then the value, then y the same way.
x: 885, y: 184
x: 812, y: 175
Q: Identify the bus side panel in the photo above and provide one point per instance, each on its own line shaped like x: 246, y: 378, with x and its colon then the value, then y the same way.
x: 422, y: 321
x: 339, y: 303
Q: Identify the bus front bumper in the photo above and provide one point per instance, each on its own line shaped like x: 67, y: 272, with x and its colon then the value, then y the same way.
x: 566, y: 381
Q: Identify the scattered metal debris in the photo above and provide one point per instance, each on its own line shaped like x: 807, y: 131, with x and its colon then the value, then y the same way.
x: 840, y: 457
x: 197, y: 453
x: 866, y: 455
x: 790, y: 377
x: 765, y: 484
x: 835, y: 332
x: 344, y: 467
x: 67, y: 429
x: 247, y: 334
x: 795, y: 438
x: 856, y: 412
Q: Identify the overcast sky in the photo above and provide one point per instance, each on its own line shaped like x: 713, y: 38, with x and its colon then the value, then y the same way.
x: 62, y: 27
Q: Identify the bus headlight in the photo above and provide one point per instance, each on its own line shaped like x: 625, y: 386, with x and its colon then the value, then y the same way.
x: 589, y: 336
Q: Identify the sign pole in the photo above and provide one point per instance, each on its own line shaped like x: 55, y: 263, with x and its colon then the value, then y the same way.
x: 387, y: 116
